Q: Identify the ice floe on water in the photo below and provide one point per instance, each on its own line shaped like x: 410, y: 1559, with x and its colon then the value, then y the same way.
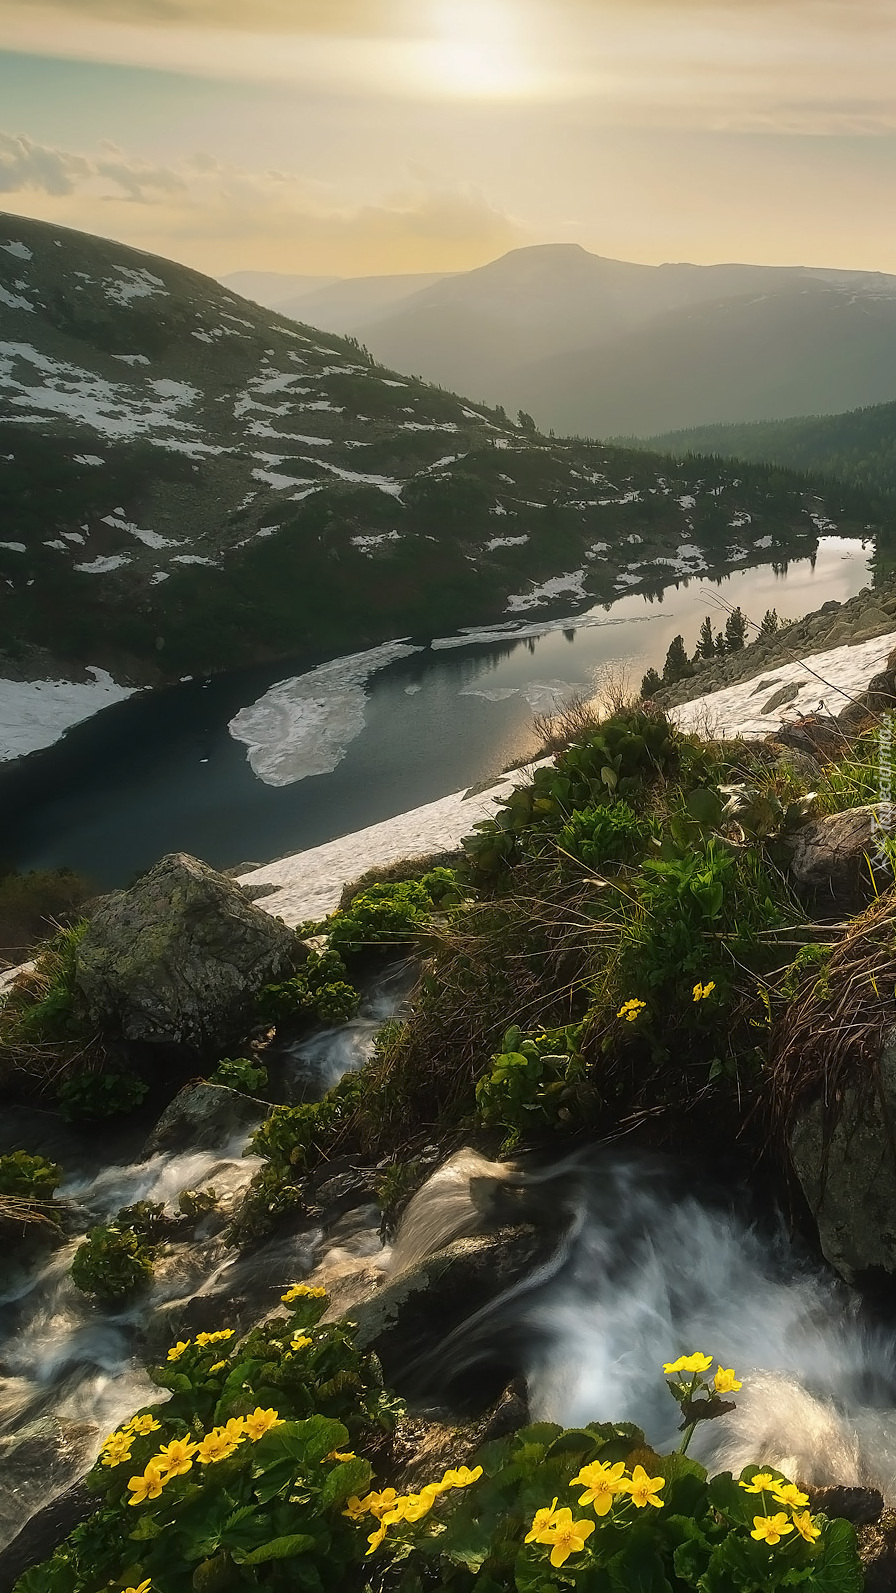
x: 35, y: 713
x: 571, y: 585
x: 543, y: 696
x: 305, y: 725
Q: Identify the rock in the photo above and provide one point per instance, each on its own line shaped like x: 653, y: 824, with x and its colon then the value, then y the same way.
x: 845, y: 1160
x: 799, y: 764
x: 40, y: 1460
x: 820, y: 735
x: 44, y: 1532
x: 833, y: 861
x: 178, y: 958
x: 413, y: 1314
x: 784, y: 694
x: 877, y: 1551
x: 862, y: 1506
x: 204, y: 1117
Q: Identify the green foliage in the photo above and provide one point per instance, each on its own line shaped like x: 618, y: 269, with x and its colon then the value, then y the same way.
x: 195, y: 1203
x: 735, y: 631
x: 605, y: 834
x: 677, y: 666
x: 266, y: 1436
x: 291, y: 1141
x: 147, y: 1218
x: 45, y: 1008
x: 112, y: 1263
x: 706, y: 642
x: 650, y: 684
x: 90, y: 1097
x: 240, y: 1073
x: 811, y: 962
x: 319, y: 991
x: 770, y: 623
x: 28, y: 1177
x: 532, y: 1082
x: 389, y: 913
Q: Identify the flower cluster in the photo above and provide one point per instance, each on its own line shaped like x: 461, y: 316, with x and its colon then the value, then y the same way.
x: 772, y: 1526
x: 702, y: 991
x: 302, y: 1291
x: 117, y: 1447
x: 630, y: 1010
x: 176, y: 1458
x: 390, y: 1507
x: 606, y: 1489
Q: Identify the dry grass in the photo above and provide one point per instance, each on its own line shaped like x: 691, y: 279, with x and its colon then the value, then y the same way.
x: 19, y: 1217
x: 833, y: 1030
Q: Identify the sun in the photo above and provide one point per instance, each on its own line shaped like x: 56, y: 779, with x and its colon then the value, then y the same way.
x: 475, y: 51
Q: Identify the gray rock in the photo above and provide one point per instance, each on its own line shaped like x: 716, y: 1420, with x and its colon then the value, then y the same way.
x: 205, y: 1117
x: 783, y: 695
x: 799, y: 764
x: 178, y: 958
x: 846, y: 1163
x: 821, y: 735
x: 833, y: 861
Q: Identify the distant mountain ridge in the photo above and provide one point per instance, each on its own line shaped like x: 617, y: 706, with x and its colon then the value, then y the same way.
x: 189, y: 482
x: 600, y: 347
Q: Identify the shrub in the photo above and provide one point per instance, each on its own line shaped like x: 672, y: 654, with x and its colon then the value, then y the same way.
x: 89, y: 1097
x: 384, y: 914
x: 603, y: 834
x: 195, y: 1203
x: 531, y: 1081
x: 291, y: 1141
x: 28, y: 1177
x: 44, y: 1007
x: 319, y: 991
x: 112, y: 1263
x: 240, y: 1073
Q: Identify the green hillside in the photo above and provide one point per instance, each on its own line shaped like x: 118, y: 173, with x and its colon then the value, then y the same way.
x: 189, y: 482
x: 858, y: 448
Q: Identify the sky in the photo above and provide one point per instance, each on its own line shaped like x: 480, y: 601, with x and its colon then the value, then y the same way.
x: 348, y: 137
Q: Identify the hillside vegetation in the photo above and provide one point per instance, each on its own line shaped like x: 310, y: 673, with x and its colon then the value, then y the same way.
x: 858, y: 448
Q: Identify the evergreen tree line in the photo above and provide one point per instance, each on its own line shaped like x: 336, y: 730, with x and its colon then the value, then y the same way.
x: 710, y: 644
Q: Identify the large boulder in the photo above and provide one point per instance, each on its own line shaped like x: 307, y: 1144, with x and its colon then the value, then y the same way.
x: 178, y: 959
x: 845, y: 1159
x: 834, y: 864
x: 205, y: 1117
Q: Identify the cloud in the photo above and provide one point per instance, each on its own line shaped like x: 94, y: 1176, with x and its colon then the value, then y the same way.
x: 357, y: 18
x: 26, y: 166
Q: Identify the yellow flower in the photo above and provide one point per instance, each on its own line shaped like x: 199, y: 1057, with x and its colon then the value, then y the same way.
x: 355, y: 1508
x: 142, y: 1587
x: 377, y: 1504
x: 702, y: 991
x: 176, y: 1458
x: 643, y: 1489
x: 806, y: 1527
x: 302, y: 1291
x: 177, y: 1351
x: 376, y: 1538
x: 787, y: 1493
x: 770, y: 1529
x: 601, y: 1483
x: 117, y: 1449
x: 217, y: 1366
x: 630, y: 1010
x: 763, y: 1482
x: 689, y: 1363
x: 260, y: 1422
x: 417, y: 1505
x: 300, y: 1343
x: 213, y: 1338
x: 219, y: 1444
x: 143, y: 1425
x: 337, y: 1454
x: 147, y: 1486
x: 725, y: 1382
x: 565, y: 1536
x: 461, y: 1477
x: 541, y: 1521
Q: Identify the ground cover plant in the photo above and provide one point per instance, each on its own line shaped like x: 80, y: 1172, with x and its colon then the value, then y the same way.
x: 260, y: 1471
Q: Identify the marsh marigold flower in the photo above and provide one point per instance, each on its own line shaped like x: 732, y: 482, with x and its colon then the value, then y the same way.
x: 175, y: 1458
x: 541, y: 1521
x: 260, y: 1422
x: 630, y: 1010
x: 301, y: 1342
x: 770, y: 1529
x: 142, y: 1587
x: 688, y: 1363
x: 763, y: 1482
x: 601, y: 1483
x: 725, y: 1381
x: 219, y: 1444
x: 376, y: 1538
x: 302, y: 1291
x: 337, y: 1454
x: 177, y: 1350
x: 565, y: 1536
x: 702, y: 991
x: 644, y: 1490
x: 141, y: 1425
x: 805, y: 1526
x: 461, y: 1477
x: 148, y: 1485
x: 787, y: 1493
x: 116, y: 1449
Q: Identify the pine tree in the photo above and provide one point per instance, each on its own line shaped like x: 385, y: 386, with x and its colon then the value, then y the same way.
x: 678, y: 665
x: 706, y: 645
x: 770, y: 622
x: 735, y: 631
x: 651, y: 684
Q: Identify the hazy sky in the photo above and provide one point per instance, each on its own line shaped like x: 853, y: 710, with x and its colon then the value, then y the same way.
x: 352, y: 136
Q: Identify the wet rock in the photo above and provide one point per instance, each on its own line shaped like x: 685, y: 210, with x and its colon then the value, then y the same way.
x: 43, y: 1457
x: 877, y: 1551
x: 424, y: 1446
x: 44, y: 1532
x: 862, y: 1506
x: 417, y: 1310
x: 845, y: 1160
x: 204, y: 1117
x: 833, y: 861
x: 178, y: 958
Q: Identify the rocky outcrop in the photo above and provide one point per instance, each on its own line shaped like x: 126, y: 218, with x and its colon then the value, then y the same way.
x: 845, y: 1159
x: 834, y: 864
x: 204, y: 1117
x: 178, y: 959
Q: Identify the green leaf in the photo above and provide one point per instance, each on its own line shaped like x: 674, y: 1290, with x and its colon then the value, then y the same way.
x: 278, y: 1549
x: 350, y: 1477
x: 839, y: 1569
x: 638, y: 1567
x: 705, y: 805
